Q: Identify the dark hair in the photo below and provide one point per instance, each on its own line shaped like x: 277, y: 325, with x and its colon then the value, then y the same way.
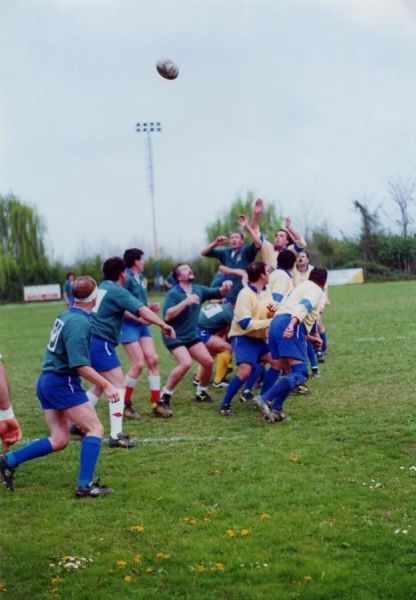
x: 255, y: 270
x: 286, y: 260
x: 304, y: 252
x: 69, y: 274
x: 131, y: 255
x: 175, y: 271
x: 112, y: 268
x: 289, y: 237
x: 239, y: 233
x: 319, y: 276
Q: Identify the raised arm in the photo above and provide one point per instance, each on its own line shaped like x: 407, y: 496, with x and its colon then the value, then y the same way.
x: 252, y: 232
x: 221, y: 240
x: 296, y: 236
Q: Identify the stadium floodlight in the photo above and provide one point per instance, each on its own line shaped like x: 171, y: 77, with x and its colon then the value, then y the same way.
x: 148, y: 128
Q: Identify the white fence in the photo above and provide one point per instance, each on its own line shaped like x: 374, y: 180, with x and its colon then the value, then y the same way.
x: 39, y: 293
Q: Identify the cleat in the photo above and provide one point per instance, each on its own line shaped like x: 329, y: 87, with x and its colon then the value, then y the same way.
x: 226, y: 412
x: 130, y: 413
x: 301, y: 390
x: 321, y: 357
x: 221, y: 384
x: 122, y: 441
x: 315, y: 372
x: 247, y: 396
x: 93, y: 490
x: 277, y: 416
x: 203, y: 396
x: 263, y: 407
x: 6, y: 474
x: 165, y: 399
x: 75, y: 430
x: 162, y: 410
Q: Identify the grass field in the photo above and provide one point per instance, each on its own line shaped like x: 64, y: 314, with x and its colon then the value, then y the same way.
x: 322, y: 507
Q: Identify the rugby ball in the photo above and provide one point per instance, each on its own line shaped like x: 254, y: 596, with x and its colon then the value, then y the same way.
x: 167, y: 68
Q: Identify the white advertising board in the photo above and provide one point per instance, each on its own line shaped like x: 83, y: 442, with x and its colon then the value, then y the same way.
x: 344, y: 276
x: 39, y: 293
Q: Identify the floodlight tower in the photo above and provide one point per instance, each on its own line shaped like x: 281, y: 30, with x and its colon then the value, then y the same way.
x: 148, y: 128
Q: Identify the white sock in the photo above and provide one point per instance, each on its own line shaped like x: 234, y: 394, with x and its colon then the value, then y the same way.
x: 166, y: 391
x: 154, y: 382
x: 130, y: 382
x: 116, y: 410
x: 93, y: 398
x: 201, y: 388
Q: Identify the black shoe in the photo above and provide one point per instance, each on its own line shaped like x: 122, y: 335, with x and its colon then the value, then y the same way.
x: 226, y: 412
x: 165, y: 399
x: 6, y: 473
x: 130, y: 412
x: 75, y: 430
x: 247, y: 396
x: 321, y: 357
x: 122, y: 441
x: 203, y: 396
x: 93, y: 490
x: 162, y: 410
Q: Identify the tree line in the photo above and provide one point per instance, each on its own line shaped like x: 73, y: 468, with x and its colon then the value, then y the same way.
x: 382, y: 254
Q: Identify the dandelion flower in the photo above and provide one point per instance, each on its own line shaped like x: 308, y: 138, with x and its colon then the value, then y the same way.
x: 150, y: 570
x: 219, y: 566
x: 137, y: 528
x: 121, y: 564
x: 200, y: 568
x: 56, y: 580
x: 265, y: 516
x: 307, y: 579
x: 137, y: 558
x: 244, y: 532
x: 230, y: 533
x: 128, y: 578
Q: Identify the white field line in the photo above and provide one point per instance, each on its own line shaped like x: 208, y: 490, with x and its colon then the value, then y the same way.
x: 189, y: 438
x: 382, y: 338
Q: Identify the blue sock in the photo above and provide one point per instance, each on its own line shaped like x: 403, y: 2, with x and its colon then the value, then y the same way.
x: 90, y: 451
x: 270, y: 379
x: 253, y: 377
x: 311, y: 355
x: 233, y: 387
x: 323, y: 338
x: 33, y: 450
x: 278, y: 393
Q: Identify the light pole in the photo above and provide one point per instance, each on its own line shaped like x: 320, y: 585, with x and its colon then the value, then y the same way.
x: 148, y: 129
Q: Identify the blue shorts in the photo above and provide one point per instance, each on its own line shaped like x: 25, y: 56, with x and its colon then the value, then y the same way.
x: 248, y: 350
x: 203, y: 334
x: 103, y: 355
x: 57, y: 391
x: 280, y: 347
x: 131, y: 331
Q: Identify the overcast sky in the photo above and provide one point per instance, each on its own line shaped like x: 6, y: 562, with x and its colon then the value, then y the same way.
x: 307, y: 103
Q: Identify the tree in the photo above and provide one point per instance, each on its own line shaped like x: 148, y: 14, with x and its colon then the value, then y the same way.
x: 369, y: 225
x: 227, y: 221
x: 22, y: 252
x: 403, y: 193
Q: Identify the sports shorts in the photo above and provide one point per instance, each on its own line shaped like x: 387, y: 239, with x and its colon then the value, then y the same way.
x: 60, y: 391
x: 248, y: 350
x: 131, y: 331
x: 280, y: 347
x: 103, y: 355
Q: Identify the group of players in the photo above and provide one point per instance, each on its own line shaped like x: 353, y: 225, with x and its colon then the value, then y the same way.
x: 260, y: 312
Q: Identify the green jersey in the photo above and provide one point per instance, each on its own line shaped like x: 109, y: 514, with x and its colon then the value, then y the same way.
x: 135, y: 284
x: 69, y: 343
x: 112, y: 302
x: 215, y: 317
x: 186, y: 322
x: 239, y: 258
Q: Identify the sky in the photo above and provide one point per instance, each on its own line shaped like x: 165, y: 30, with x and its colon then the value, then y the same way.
x: 308, y: 104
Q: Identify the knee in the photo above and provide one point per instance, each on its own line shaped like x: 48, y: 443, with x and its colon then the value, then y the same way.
x: 96, y: 429
x: 59, y: 441
x: 185, y: 365
x: 243, y: 371
x: 153, y: 362
x: 207, y: 362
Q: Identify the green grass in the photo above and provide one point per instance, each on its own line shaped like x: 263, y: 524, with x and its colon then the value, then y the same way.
x: 321, y: 496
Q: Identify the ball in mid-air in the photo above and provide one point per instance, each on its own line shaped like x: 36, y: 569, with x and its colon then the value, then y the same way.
x: 167, y: 68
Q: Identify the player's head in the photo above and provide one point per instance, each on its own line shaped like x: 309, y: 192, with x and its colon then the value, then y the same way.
x: 282, y: 239
x: 319, y: 276
x: 256, y: 270
x: 113, y: 268
x: 303, y: 259
x: 286, y: 260
x: 182, y: 272
x: 236, y: 240
x: 84, y: 289
x: 70, y: 276
x: 132, y: 255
